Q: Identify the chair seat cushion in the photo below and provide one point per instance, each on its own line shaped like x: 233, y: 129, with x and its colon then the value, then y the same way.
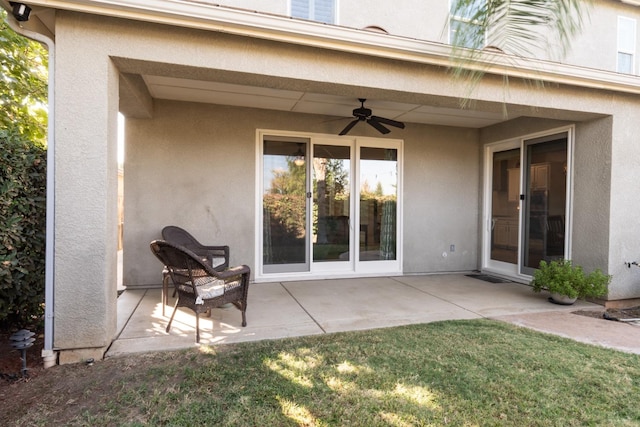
x: 208, y: 287
x: 211, y: 290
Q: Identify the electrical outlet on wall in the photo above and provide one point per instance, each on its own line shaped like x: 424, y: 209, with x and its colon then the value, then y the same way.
x: 452, y: 248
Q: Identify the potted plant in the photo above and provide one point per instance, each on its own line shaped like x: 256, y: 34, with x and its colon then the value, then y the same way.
x: 567, y: 282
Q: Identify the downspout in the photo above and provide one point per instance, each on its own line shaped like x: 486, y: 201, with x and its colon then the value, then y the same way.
x: 49, y: 356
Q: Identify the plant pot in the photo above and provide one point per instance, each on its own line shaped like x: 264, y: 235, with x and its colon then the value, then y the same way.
x: 561, y: 299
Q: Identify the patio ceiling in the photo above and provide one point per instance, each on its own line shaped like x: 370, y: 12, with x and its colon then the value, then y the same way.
x: 180, y: 89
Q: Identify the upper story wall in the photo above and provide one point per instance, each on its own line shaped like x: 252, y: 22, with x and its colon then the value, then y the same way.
x: 598, y: 44
x: 418, y: 19
x: 596, y: 47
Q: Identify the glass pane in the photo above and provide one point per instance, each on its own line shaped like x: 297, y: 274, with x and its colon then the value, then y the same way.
x: 331, y: 225
x: 544, y: 230
x: 284, y: 203
x: 468, y: 9
x: 300, y: 9
x: 466, y: 34
x: 625, y: 63
x: 504, y: 206
x: 378, y: 196
x: 464, y: 29
x: 323, y: 11
x: 315, y: 10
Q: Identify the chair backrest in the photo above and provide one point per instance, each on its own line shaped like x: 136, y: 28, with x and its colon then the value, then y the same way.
x: 180, y: 236
x: 179, y: 258
x: 555, y: 224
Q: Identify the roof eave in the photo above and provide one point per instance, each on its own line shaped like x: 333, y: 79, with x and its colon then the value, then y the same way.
x: 213, y: 17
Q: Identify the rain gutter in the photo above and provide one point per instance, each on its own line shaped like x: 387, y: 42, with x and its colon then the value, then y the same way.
x: 48, y: 354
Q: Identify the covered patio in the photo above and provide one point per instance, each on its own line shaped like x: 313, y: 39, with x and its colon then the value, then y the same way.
x: 290, y: 309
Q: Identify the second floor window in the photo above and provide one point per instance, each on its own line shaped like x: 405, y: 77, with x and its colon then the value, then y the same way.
x: 314, y: 10
x: 464, y: 31
x: 626, y: 45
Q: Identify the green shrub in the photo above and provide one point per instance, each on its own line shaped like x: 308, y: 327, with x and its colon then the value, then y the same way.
x: 22, y: 230
x: 564, y: 278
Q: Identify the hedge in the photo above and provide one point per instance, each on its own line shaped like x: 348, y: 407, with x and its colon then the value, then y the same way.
x: 22, y: 231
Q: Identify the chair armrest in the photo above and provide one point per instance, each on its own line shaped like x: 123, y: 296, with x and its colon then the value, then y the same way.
x: 233, y: 272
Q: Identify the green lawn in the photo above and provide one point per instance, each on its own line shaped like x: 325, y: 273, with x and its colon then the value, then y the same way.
x: 460, y: 373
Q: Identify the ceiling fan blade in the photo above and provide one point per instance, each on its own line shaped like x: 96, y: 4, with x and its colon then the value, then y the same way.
x: 389, y: 122
x: 349, y: 127
x: 373, y: 121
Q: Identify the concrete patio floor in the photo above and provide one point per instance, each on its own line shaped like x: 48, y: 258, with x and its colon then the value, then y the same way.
x: 291, y: 309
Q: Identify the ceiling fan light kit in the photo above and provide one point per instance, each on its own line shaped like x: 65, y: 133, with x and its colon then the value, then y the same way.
x: 363, y: 114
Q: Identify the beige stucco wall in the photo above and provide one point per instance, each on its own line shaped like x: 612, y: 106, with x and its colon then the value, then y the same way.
x: 624, y: 236
x: 591, y: 190
x: 441, y: 199
x: 86, y: 179
x: 595, y: 46
x: 190, y: 152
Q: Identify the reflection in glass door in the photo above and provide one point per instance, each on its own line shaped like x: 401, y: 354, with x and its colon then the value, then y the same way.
x: 546, y: 195
x: 378, y: 203
x: 505, y: 206
x: 284, y: 206
x: 331, y: 198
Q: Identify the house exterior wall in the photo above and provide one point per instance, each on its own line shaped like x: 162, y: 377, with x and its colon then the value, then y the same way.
x: 624, y: 202
x: 592, y: 189
x: 424, y: 20
x: 441, y: 199
x: 86, y: 193
x: 595, y: 46
x: 189, y: 151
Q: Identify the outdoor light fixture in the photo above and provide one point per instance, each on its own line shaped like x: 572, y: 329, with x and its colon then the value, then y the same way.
x: 22, y: 340
x: 299, y: 160
x: 20, y: 11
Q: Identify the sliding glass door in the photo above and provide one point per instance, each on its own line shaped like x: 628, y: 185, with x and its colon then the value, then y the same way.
x: 505, y: 209
x: 378, y: 190
x: 526, y: 203
x: 329, y: 205
x: 331, y: 209
x: 545, y: 208
x: 285, y: 204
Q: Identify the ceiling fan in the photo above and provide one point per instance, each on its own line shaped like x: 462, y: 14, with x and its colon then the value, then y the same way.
x: 363, y: 114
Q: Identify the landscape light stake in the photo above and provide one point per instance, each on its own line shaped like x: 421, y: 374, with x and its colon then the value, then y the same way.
x: 22, y: 340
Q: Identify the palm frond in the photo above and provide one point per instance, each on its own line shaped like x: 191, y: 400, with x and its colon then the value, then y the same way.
x: 521, y: 28
x: 518, y: 27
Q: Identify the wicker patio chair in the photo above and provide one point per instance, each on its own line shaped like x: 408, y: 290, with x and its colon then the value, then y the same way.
x: 199, y: 286
x: 216, y: 256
